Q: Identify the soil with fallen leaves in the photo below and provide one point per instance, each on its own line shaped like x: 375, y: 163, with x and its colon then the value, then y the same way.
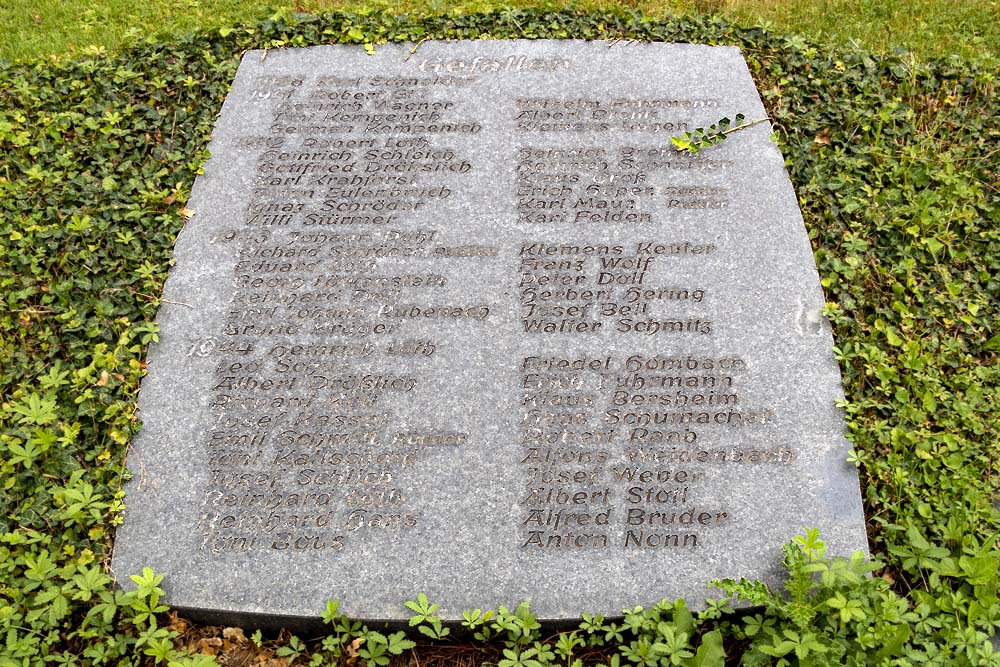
x: 232, y: 648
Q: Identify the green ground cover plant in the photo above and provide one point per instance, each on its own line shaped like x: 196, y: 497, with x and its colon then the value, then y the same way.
x: 926, y: 27
x: 895, y: 162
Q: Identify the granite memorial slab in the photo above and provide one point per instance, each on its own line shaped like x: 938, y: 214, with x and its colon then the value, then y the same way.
x: 458, y: 319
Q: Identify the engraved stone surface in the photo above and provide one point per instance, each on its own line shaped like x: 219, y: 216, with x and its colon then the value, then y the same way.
x: 461, y: 321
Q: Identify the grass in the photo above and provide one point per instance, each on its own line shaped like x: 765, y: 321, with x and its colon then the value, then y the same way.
x: 928, y: 28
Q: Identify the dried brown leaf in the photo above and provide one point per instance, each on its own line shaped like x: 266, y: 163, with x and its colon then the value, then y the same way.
x: 209, y: 645
x: 352, y: 650
x: 177, y: 624
x: 234, y: 634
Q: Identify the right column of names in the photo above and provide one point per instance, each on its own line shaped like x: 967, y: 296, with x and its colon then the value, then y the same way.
x: 613, y: 444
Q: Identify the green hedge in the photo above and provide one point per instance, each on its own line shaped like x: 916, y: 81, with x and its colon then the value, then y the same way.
x: 896, y: 167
